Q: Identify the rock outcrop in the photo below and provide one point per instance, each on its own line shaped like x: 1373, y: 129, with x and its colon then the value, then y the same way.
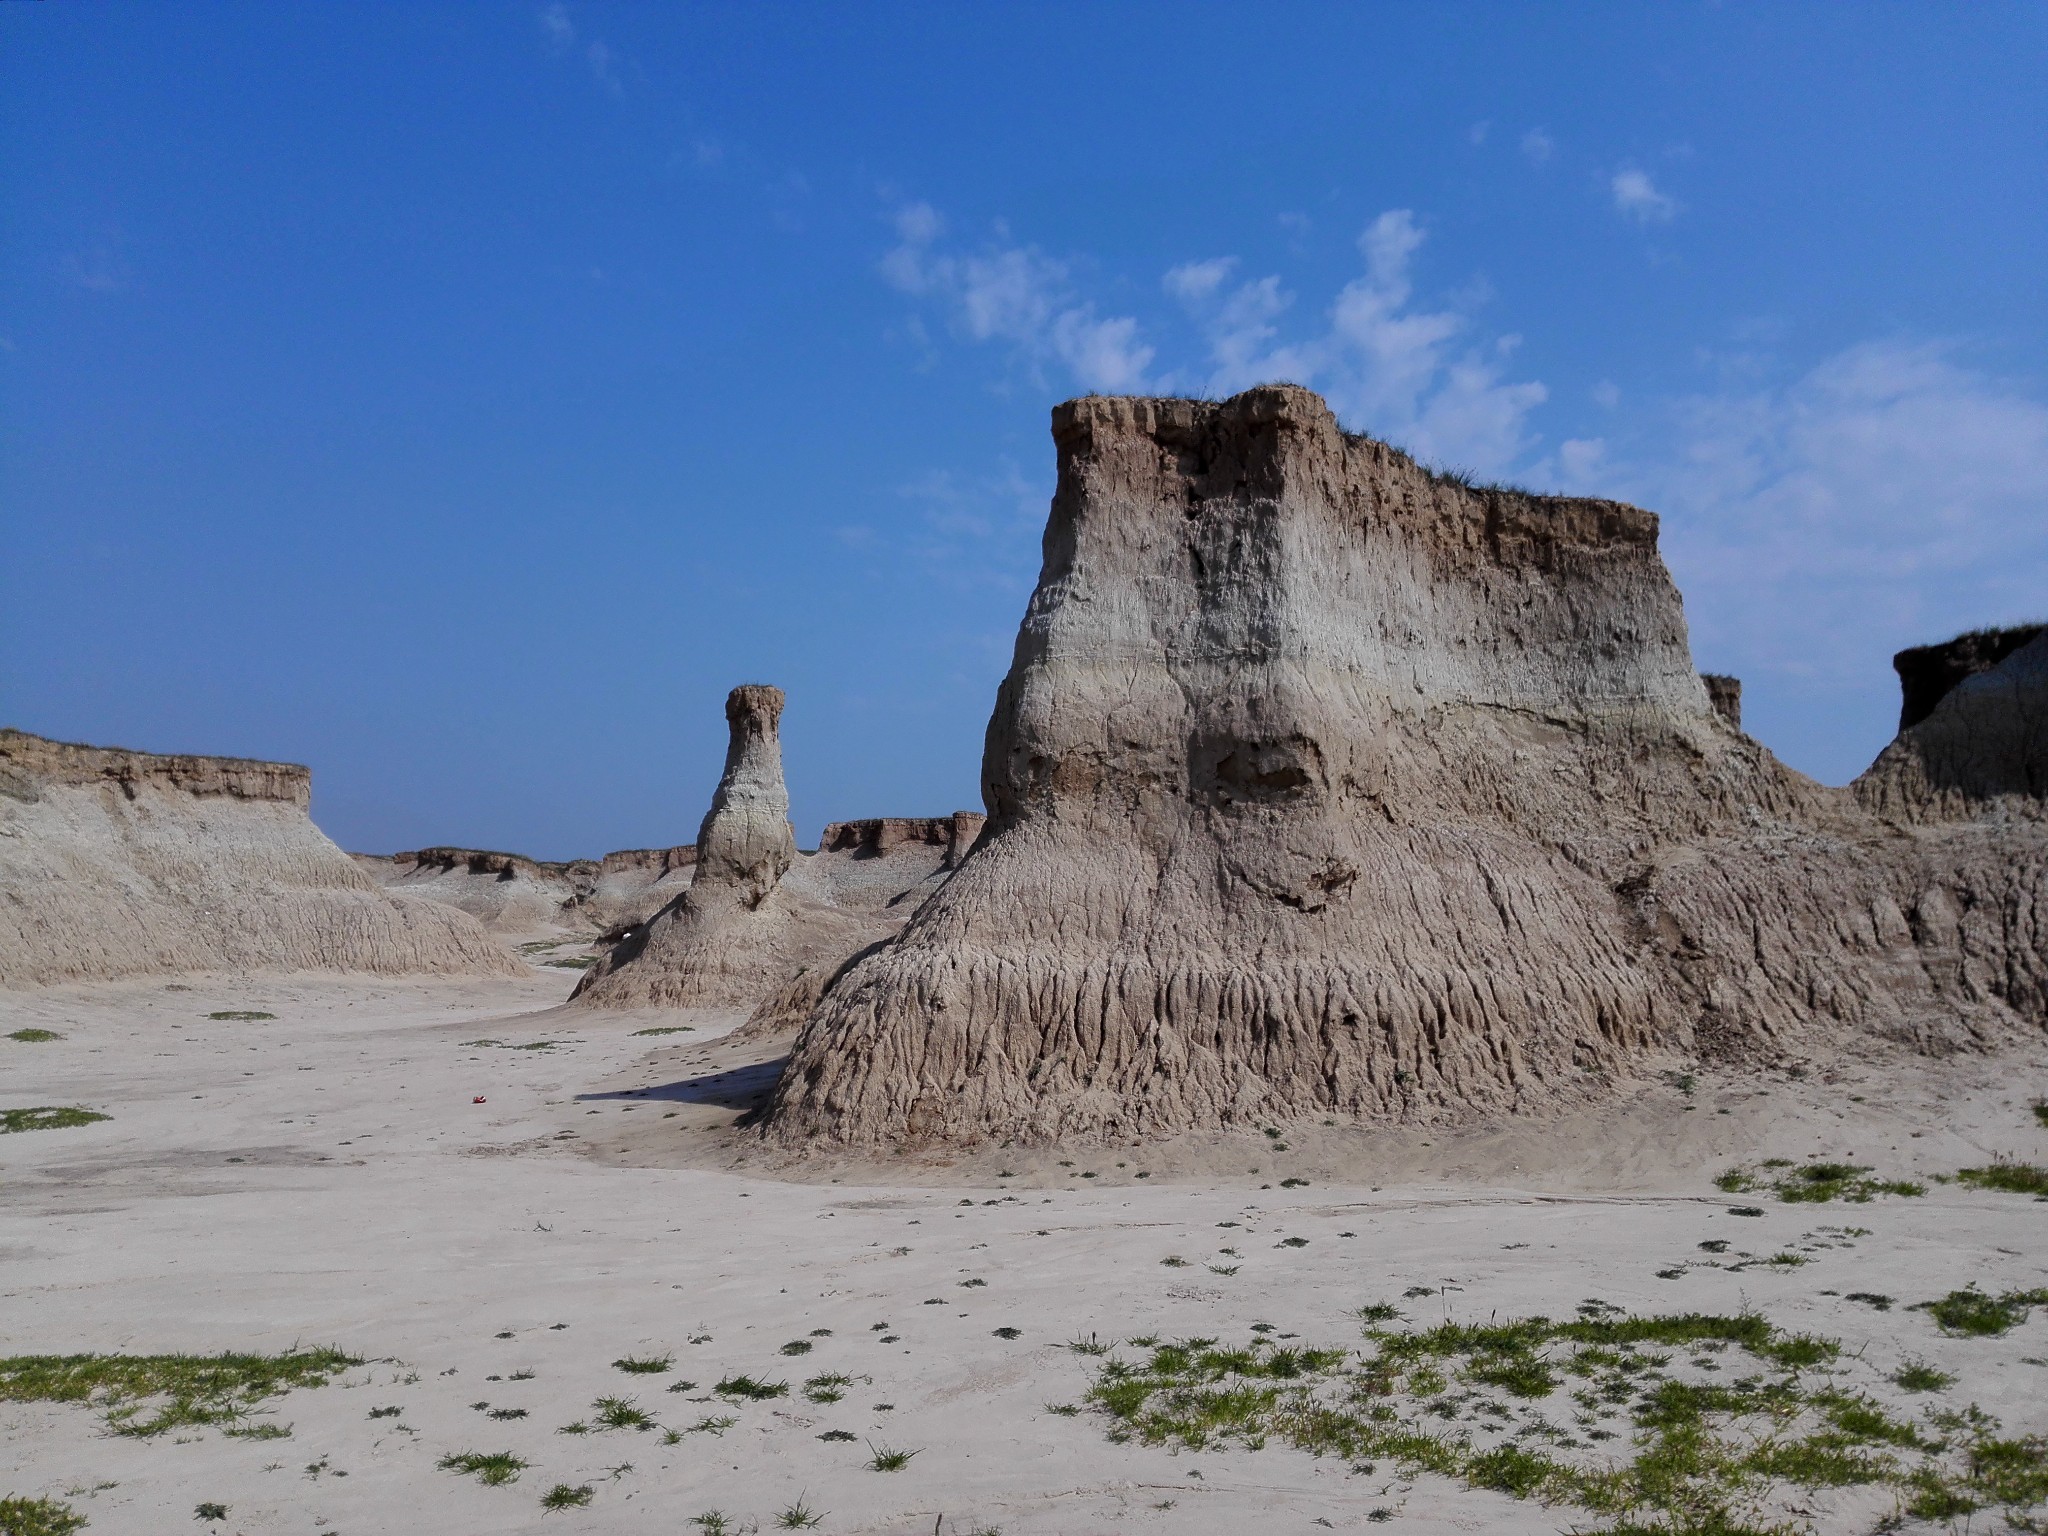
x: 1321, y: 784
x: 117, y: 863
x: 1725, y: 694
x: 740, y: 931
x: 1980, y: 742
x: 516, y: 896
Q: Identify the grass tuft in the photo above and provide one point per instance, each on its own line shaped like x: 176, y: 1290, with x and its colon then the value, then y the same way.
x: 620, y: 1413
x: 798, y: 1517
x: 562, y: 1496
x: 1971, y: 1313
x: 489, y: 1468
x: 644, y: 1365
x: 751, y: 1389
x: 887, y: 1460
x: 1814, y: 1183
x: 34, y: 1036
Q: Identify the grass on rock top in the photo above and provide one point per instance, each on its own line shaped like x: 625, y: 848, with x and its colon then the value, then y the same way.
x: 143, y: 1395
x: 1683, y: 1422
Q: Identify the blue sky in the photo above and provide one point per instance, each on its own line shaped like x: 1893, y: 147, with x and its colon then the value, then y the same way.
x: 461, y: 398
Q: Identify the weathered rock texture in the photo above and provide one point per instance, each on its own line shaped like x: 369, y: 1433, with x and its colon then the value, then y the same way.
x: 1725, y: 694
x: 514, y: 895
x: 758, y: 916
x: 1981, y: 744
x: 1320, y: 784
x: 117, y: 863
x: 1928, y: 673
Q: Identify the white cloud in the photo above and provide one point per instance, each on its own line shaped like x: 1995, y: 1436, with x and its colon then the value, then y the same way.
x: 1384, y: 365
x: 1018, y: 295
x: 1606, y: 394
x: 1891, y: 495
x: 1538, y: 146
x: 1476, y: 134
x: 1637, y: 196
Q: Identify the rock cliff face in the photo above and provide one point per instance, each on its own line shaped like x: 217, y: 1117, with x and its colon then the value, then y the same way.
x: 1928, y: 673
x: 1320, y: 784
x: 1725, y: 694
x: 117, y: 863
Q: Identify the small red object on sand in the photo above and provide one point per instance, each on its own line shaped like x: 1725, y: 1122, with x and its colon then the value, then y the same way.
x: 478, y: 1099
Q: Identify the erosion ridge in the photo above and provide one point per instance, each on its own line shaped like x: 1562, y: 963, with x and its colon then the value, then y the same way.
x: 1320, y: 784
x: 513, y: 894
x: 119, y: 863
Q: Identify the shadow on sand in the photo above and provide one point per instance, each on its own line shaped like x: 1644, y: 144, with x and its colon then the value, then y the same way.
x: 740, y: 1088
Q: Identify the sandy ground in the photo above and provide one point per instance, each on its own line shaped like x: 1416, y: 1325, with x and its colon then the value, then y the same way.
x: 327, y: 1177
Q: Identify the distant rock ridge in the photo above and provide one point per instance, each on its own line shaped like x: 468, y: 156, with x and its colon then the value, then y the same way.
x: 1321, y: 784
x: 880, y: 836
x: 512, y: 894
x: 121, y: 863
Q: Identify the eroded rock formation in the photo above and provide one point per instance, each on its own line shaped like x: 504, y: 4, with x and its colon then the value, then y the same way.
x: 1980, y: 743
x: 1321, y: 784
x: 741, y: 930
x: 118, y: 863
x: 513, y: 895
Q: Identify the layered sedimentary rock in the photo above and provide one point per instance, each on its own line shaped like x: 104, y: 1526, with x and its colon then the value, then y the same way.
x: 117, y: 863
x: 511, y: 894
x: 1974, y: 731
x: 1725, y: 694
x: 1323, y: 785
x: 738, y: 932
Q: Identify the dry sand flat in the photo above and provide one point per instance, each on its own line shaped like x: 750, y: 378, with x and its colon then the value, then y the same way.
x: 324, y: 1177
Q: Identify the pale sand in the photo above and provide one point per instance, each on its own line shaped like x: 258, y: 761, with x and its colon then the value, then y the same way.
x: 325, y: 1178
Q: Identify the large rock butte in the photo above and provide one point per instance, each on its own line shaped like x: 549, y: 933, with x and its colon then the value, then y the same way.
x: 1321, y: 784
x: 117, y: 863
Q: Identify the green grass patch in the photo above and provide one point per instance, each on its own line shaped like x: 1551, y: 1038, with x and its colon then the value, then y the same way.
x: 620, y: 1413
x: 34, y: 1036
x: 2011, y: 1177
x: 1814, y: 1183
x: 644, y: 1365
x: 47, y: 1117
x: 144, y: 1395
x: 492, y: 1468
x: 885, y: 1459
x: 38, y: 1517
x: 1682, y: 1424
x: 562, y: 1496
x: 1971, y: 1313
x: 747, y: 1387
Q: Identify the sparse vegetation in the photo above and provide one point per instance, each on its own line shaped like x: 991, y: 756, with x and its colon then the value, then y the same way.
x: 38, y: 1517
x: 748, y: 1387
x: 2013, y: 1177
x: 796, y: 1347
x: 47, y: 1117
x: 828, y: 1388
x: 644, y: 1365
x: 144, y: 1395
x: 1919, y: 1376
x: 620, y: 1413
x: 243, y: 1015
x: 668, y: 1029
x: 34, y: 1036
x: 887, y: 1460
x: 1485, y: 1404
x: 489, y: 1468
x: 798, y: 1517
x: 1971, y: 1313
x: 713, y: 1522
x: 562, y: 1496
x: 1814, y: 1183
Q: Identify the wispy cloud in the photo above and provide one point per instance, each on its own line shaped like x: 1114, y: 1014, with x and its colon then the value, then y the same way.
x: 597, y: 54
x: 1393, y: 368
x: 97, y: 268
x: 1637, y: 197
x: 1017, y: 295
x: 1538, y: 146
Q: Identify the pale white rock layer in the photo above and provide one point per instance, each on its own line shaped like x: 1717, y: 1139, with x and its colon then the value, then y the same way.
x: 117, y: 863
